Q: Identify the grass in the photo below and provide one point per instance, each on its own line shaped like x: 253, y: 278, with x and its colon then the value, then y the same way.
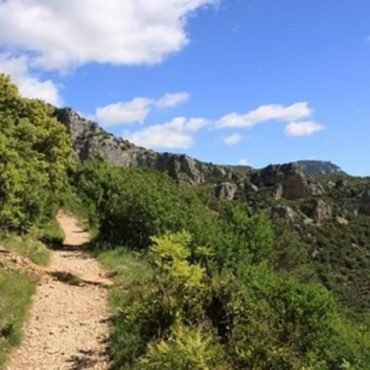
x: 52, y: 234
x: 15, y: 297
x: 130, y: 272
x: 27, y: 246
x: 125, y: 266
x: 127, y: 269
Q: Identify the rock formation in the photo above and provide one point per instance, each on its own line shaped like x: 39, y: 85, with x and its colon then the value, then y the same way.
x: 89, y: 140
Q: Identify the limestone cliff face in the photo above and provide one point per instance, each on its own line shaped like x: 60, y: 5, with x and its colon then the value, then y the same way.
x: 287, y: 181
x: 89, y: 140
x: 290, y: 181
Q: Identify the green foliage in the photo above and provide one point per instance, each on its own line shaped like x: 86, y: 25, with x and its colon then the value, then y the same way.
x: 342, y: 259
x: 131, y: 205
x: 35, y: 155
x: 15, y: 298
x: 51, y: 233
x: 216, y: 278
x: 246, y: 239
x: 209, y: 287
x: 186, y: 348
x: 180, y: 317
x: 290, y: 255
x: 126, y: 267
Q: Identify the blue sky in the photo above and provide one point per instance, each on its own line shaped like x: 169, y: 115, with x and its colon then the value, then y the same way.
x: 229, y: 81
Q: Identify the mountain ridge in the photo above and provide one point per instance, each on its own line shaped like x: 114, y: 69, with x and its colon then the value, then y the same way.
x: 90, y: 140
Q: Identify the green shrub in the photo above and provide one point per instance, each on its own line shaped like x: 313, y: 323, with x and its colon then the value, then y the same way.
x: 52, y: 234
x: 35, y: 155
x: 186, y: 348
x: 131, y: 205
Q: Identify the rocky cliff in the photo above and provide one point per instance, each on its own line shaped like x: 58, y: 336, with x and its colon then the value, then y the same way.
x: 288, y: 181
x: 89, y: 140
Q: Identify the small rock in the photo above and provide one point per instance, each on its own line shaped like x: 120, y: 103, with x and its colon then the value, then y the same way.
x: 342, y: 221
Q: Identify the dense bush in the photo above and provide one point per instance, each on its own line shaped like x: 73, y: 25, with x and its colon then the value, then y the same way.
x: 184, y: 318
x: 35, y: 156
x: 131, y: 205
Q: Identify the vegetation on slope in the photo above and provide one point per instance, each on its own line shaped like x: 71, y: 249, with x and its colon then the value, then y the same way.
x: 209, y: 287
x: 200, y: 283
x: 15, y: 297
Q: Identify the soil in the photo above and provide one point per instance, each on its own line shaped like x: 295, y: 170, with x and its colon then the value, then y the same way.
x: 68, y: 323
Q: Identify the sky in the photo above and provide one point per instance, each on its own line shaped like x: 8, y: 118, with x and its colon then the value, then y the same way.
x: 226, y: 81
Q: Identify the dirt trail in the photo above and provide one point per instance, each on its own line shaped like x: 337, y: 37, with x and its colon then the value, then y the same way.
x: 68, y: 324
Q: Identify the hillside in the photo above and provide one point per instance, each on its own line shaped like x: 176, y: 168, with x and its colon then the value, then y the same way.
x: 321, y: 168
x: 315, y: 199
x: 214, y: 267
x: 89, y: 140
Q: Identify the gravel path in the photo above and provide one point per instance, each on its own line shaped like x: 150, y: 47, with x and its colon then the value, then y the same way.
x: 68, y: 324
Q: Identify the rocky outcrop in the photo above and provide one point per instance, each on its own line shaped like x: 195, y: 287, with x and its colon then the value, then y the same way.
x: 322, y: 211
x: 89, y: 140
x: 364, y: 203
x: 225, y: 191
x: 287, y: 181
x: 342, y: 220
x: 283, y: 212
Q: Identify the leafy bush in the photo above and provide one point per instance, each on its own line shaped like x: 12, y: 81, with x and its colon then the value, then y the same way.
x: 131, y: 205
x: 186, y: 348
x: 35, y: 155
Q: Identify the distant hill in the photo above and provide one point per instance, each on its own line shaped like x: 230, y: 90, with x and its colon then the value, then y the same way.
x: 321, y: 168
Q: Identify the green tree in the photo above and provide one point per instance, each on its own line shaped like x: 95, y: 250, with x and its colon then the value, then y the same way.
x: 35, y: 156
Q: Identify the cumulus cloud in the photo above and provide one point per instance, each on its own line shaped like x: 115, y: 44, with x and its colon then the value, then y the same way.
x: 178, y: 133
x: 137, y: 109
x: 303, y: 128
x: 69, y: 33
x: 233, y: 139
x: 265, y: 113
x: 29, y: 86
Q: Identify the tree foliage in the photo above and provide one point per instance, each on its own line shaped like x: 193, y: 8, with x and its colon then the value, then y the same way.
x: 35, y: 155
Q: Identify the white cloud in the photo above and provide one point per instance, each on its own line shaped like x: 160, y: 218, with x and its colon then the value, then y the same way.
x: 303, y: 128
x: 233, y: 139
x: 137, y: 109
x: 244, y: 162
x: 265, y: 113
x: 176, y: 134
x: 69, y: 33
x: 172, y: 100
x: 29, y: 86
